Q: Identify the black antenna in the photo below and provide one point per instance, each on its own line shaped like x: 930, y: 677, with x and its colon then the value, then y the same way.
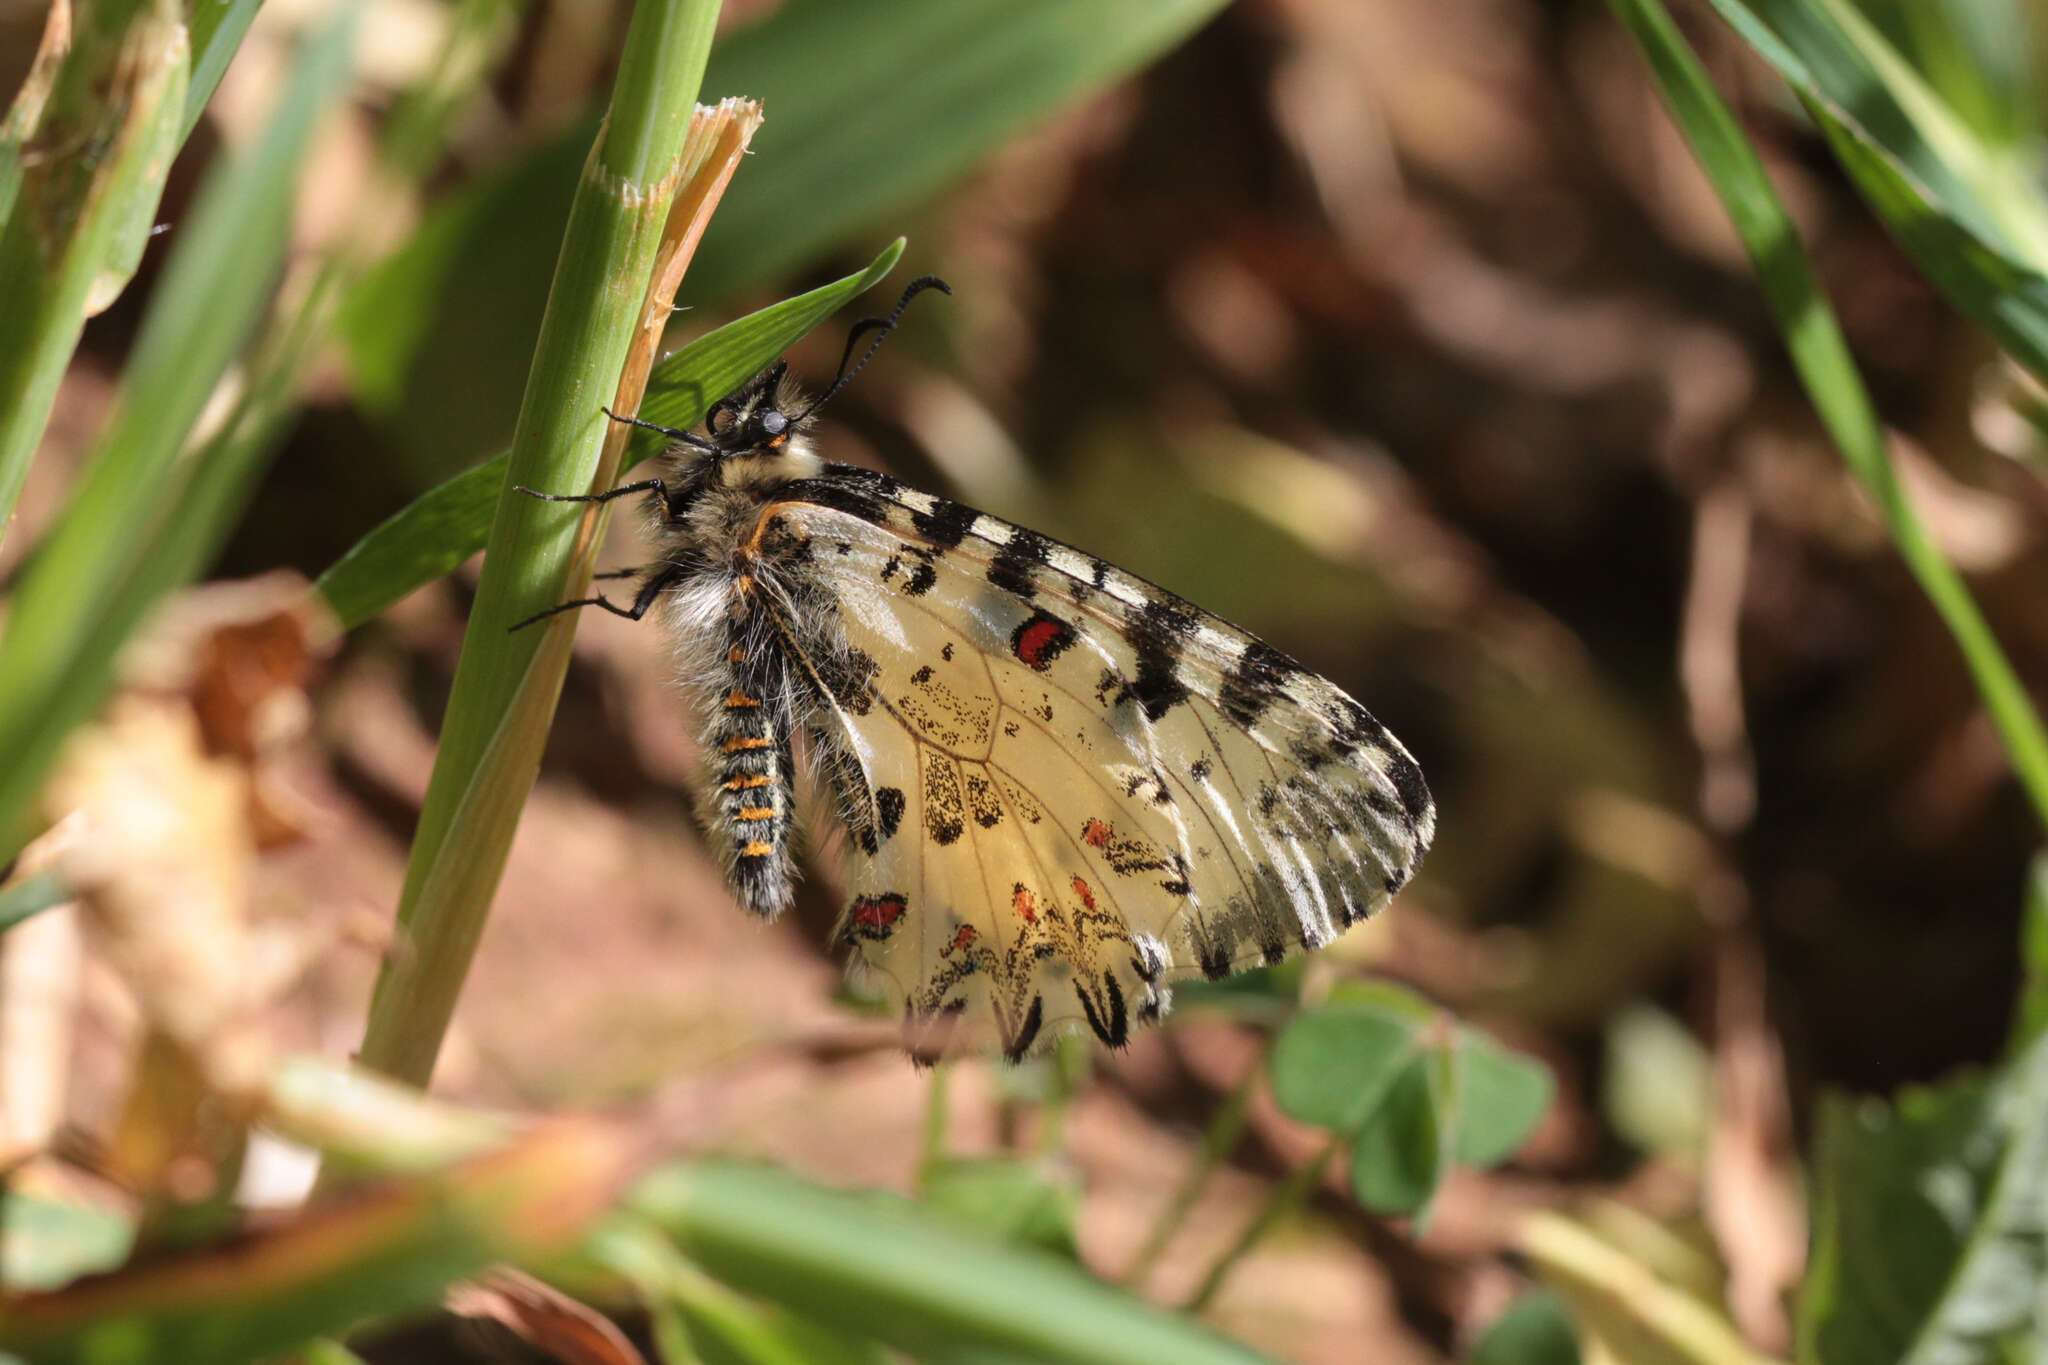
x: 883, y: 326
x: 686, y: 437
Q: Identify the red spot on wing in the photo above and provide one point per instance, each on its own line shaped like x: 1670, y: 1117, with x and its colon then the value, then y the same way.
x: 875, y: 917
x: 1022, y: 901
x: 1041, y: 639
x: 961, y: 938
x: 1095, y: 834
x: 1081, y: 890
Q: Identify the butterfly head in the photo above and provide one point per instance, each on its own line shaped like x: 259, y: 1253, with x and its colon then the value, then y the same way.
x: 758, y: 432
x: 755, y: 435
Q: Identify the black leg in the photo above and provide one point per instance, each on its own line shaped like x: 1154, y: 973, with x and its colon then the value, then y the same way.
x: 642, y: 600
x: 618, y: 573
x: 644, y: 486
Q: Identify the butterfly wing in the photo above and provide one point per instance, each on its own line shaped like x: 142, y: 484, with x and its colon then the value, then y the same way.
x: 1066, y: 787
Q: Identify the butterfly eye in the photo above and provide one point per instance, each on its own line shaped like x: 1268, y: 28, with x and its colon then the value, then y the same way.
x: 774, y: 423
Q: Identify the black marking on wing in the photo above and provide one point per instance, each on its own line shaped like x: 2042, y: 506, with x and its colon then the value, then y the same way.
x: 847, y: 489
x: 1255, y: 682
x: 888, y: 811
x: 944, y: 812
x: 1112, y: 1027
x: 1011, y: 569
x: 982, y: 802
x: 1027, y: 1032
x: 850, y: 678
x: 1157, y: 634
x: 946, y: 524
x: 1408, y: 784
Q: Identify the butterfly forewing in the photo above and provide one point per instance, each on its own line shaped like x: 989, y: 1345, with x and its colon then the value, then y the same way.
x: 1065, y: 787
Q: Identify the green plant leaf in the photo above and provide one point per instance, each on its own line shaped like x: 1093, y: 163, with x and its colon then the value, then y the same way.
x: 1334, y: 1066
x: 695, y: 1318
x: 1398, y: 1158
x: 1930, y: 1232
x: 1821, y: 355
x: 217, y: 30
x: 31, y: 896
x: 1969, y: 214
x: 1499, y: 1099
x: 448, y: 524
x: 2032, y: 1011
x: 1536, y: 1330
x: 86, y: 588
x: 383, y: 1252
x: 82, y: 190
x: 871, y: 109
x: 1964, y: 51
x: 883, y: 1268
x: 1006, y: 1199
x: 1623, y: 1309
x: 45, y: 1242
x: 1385, y: 1067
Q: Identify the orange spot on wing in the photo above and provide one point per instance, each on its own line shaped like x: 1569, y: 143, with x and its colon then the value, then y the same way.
x: 1095, y: 834
x: 961, y: 938
x: 1081, y: 890
x: 1022, y: 901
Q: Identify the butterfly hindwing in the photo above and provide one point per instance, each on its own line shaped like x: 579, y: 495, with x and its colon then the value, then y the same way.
x: 1065, y: 787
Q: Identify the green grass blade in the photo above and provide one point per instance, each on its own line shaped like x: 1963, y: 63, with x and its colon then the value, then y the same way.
x: 25, y: 113
x: 1841, y: 58
x: 119, y: 545
x: 877, y: 106
x: 384, y: 1253
x: 31, y: 896
x: 1814, y: 338
x: 218, y: 27
x: 876, y: 1267
x: 449, y: 523
x: 79, y: 218
x: 1967, y: 211
x: 505, y: 684
x: 872, y: 108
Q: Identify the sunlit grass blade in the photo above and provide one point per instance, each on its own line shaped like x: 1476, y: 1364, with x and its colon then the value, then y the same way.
x: 448, y: 524
x: 89, y: 177
x: 880, y: 1268
x: 506, y: 683
x: 1970, y: 213
x: 1821, y: 355
x: 872, y: 108
x: 685, y: 1306
x: 1622, y: 1306
x: 381, y: 1253
x: 217, y: 32
x: 121, y: 544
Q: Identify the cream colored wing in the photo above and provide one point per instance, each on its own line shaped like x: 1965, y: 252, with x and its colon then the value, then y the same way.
x: 1066, y: 787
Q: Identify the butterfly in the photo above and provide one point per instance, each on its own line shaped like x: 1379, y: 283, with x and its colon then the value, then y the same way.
x: 1062, y: 787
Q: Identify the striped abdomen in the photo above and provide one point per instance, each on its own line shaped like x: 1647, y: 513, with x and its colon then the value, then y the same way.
x: 751, y: 804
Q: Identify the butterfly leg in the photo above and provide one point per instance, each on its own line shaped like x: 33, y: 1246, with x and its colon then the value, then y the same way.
x: 642, y: 600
